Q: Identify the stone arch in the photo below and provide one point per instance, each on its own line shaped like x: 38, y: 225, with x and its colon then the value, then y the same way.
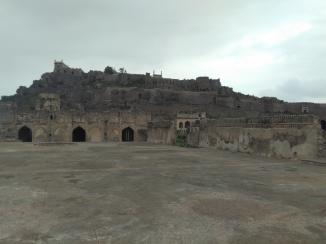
x: 25, y: 134
x: 79, y: 135
x: 187, y: 125
x: 180, y: 125
x: 323, y: 124
x: 128, y: 134
x: 95, y: 135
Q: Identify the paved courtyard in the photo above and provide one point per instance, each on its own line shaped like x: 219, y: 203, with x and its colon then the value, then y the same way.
x: 141, y: 193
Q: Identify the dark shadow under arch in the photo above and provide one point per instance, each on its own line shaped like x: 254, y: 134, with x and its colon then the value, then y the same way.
x: 187, y: 125
x: 128, y: 134
x: 323, y: 124
x: 25, y: 134
x: 79, y: 135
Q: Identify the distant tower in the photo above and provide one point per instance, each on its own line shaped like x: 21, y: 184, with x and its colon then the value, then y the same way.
x: 157, y: 75
x: 60, y: 66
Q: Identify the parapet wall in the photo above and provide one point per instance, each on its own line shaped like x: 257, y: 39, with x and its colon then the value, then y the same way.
x: 277, y: 121
x: 283, y: 136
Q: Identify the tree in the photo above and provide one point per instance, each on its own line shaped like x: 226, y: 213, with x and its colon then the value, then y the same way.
x: 109, y: 70
x: 122, y: 70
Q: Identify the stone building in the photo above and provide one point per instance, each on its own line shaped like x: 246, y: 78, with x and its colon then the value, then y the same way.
x: 70, y: 105
x: 185, y: 120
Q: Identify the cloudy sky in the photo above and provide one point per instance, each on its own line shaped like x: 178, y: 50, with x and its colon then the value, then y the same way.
x: 259, y: 47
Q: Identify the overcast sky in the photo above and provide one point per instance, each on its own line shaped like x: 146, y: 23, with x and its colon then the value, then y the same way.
x: 258, y: 47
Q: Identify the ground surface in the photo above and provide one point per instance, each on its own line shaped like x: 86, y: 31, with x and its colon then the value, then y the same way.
x: 139, y: 193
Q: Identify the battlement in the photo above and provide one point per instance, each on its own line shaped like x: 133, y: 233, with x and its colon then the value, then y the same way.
x: 61, y: 67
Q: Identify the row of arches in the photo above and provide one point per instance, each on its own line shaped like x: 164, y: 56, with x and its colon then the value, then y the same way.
x: 186, y: 125
x: 78, y: 134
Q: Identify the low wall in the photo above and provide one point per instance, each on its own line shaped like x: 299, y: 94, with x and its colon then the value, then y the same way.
x: 285, y: 143
x: 299, y: 139
x: 161, y: 133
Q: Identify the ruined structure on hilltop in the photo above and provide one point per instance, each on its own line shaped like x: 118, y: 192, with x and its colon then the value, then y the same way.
x: 71, y: 105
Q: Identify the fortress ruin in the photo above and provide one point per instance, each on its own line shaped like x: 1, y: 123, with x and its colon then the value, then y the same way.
x: 69, y: 105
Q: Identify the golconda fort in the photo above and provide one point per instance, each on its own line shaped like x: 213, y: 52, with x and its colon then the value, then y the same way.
x: 69, y: 105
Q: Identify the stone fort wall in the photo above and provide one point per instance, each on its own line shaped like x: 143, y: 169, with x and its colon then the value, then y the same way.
x: 59, y: 127
x: 279, y: 136
x: 286, y: 136
x: 112, y: 106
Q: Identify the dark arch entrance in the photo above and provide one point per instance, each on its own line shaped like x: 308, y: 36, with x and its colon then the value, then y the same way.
x: 187, y: 125
x: 79, y: 135
x: 128, y: 134
x: 323, y: 124
x: 25, y: 134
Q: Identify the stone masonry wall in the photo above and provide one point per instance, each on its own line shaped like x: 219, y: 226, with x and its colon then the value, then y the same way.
x: 161, y: 132
x: 272, y: 137
x: 59, y: 127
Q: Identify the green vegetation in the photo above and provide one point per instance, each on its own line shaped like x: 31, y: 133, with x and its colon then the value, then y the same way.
x: 181, y: 141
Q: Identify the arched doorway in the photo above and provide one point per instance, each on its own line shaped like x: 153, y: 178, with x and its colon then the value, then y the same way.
x: 323, y: 124
x: 25, y: 134
x: 79, y: 135
x: 187, y: 125
x: 128, y: 134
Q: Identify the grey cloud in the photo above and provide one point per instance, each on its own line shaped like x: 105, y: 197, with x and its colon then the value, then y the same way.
x: 297, y: 90
x: 140, y: 35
